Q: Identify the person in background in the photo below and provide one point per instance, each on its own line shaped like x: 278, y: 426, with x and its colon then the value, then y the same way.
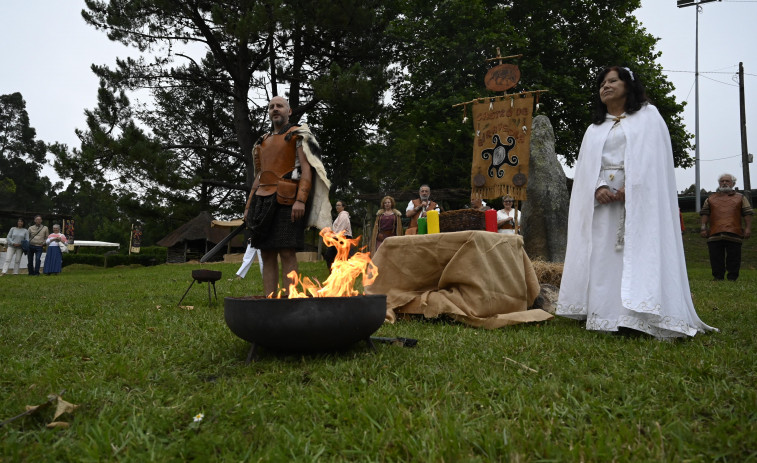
x: 418, y: 208
x: 724, y: 211
x: 388, y: 223
x: 341, y: 223
x: 624, y: 263
x: 506, y: 217
x: 54, y: 256
x: 38, y: 234
x: 16, y: 235
x: 478, y: 204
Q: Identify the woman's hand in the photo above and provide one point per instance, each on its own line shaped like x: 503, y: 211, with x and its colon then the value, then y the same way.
x: 620, y: 195
x: 604, y: 195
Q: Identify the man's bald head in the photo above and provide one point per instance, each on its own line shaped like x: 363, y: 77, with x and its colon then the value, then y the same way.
x: 279, y: 112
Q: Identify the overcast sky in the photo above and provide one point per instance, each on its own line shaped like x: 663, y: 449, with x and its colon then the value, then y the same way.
x: 48, y: 49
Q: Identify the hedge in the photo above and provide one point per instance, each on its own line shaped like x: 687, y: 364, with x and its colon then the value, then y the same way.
x: 112, y: 260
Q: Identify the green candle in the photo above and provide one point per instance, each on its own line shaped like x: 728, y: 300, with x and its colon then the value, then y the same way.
x: 422, y: 226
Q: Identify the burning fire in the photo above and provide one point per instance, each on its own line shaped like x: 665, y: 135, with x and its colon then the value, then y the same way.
x: 344, y: 271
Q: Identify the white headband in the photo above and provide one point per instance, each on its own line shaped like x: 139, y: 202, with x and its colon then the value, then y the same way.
x: 630, y: 72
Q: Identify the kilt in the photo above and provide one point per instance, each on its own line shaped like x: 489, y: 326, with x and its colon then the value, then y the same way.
x: 277, y: 230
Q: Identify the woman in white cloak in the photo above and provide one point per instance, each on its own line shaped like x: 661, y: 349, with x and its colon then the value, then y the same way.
x: 624, y: 264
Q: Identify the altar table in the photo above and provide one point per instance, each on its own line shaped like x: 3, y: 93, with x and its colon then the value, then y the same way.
x: 480, y: 278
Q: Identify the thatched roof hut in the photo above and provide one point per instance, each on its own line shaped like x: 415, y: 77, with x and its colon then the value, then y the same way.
x: 193, y: 239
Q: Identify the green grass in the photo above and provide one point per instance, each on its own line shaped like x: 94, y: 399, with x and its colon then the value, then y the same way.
x: 141, y: 369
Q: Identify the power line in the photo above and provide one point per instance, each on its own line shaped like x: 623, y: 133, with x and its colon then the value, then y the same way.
x: 711, y: 72
x: 720, y: 159
x: 720, y: 82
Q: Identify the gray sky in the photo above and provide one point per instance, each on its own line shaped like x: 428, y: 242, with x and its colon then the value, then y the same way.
x: 48, y: 49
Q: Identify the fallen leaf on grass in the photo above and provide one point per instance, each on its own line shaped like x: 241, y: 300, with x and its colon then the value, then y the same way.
x: 187, y: 307
x: 157, y: 307
x: 64, y: 407
x: 58, y: 424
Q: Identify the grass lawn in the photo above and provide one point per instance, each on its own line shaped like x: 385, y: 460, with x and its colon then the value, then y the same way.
x: 141, y: 369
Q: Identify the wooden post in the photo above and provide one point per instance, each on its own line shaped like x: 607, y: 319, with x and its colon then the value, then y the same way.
x: 517, y: 222
x: 744, y: 150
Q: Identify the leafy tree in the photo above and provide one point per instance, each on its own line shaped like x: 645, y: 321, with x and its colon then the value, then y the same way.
x: 193, y: 141
x: 188, y: 146
x: 22, y: 156
x: 442, y: 48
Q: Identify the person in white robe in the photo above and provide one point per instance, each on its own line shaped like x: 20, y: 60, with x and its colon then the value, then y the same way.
x: 624, y: 263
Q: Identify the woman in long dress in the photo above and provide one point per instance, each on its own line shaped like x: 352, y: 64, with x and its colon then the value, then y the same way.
x: 388, y: 223
x: 624, y: 264
x: 54, y: 257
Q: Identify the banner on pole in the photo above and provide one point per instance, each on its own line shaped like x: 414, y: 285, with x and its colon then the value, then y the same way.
x: 68, y: 230
x: 136, y: 239
x: 501, y: 146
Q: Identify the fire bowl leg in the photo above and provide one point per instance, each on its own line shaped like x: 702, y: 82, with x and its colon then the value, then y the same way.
x: 369, y: 341
x: 185, y: 292
x: 252, y: 355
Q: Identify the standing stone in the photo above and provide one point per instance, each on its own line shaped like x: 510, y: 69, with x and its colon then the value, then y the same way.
x: 544, y: 221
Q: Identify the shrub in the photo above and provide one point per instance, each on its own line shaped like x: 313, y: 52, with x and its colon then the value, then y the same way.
x: 111, y: 260
x: 139, y: 259
x: 88, y: 259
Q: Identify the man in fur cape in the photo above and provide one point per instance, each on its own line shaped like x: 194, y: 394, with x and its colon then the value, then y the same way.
x: 286, y: 196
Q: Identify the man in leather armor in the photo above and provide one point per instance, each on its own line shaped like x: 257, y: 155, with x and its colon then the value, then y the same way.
x: 724, y: 211
x: 276, y: 207
x: 418, y: 208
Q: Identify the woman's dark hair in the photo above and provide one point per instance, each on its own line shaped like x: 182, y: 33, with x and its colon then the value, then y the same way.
x: 636, y: 97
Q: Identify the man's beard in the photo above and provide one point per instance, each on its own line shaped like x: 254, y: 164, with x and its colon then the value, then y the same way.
x: 425, y: 198
x: 725, y: 189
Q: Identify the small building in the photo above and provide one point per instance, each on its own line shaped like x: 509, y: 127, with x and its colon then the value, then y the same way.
x: 195, y: 238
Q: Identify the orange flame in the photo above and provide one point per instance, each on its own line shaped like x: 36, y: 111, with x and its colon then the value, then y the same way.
x: 344, y: 271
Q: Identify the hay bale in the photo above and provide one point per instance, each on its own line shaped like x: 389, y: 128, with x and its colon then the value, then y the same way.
x: 548, y: 272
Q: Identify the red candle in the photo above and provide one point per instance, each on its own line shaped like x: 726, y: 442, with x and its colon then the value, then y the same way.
x: 491, y: 220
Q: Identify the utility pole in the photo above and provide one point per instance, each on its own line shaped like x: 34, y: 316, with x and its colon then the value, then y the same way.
x: 744, y: 150
x: 683, y: 4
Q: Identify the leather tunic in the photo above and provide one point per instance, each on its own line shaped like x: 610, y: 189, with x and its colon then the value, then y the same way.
x: 274, y: 157
x: 725, y: 213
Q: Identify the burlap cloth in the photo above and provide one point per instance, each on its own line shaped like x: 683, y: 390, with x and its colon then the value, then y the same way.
x: 480, y: 278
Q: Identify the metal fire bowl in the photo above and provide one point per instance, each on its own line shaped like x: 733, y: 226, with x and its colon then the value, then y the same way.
x: 305, y: 324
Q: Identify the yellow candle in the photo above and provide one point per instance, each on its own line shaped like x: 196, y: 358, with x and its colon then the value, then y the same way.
x: 433, y: 221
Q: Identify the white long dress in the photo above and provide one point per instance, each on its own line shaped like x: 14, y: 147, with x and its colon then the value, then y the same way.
x: 624, y: 264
